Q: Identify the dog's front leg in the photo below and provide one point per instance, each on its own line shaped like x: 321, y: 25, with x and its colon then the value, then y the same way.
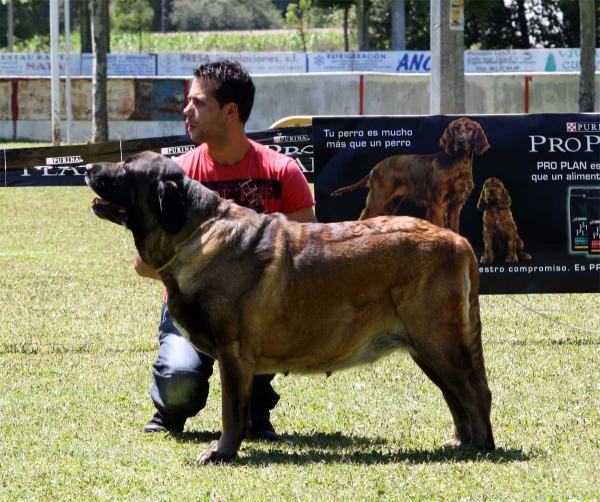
x: 453, y: 218
x: 237, y: 375
x: 435, y: 214
x: 488, y: 242
x: 511, y: 248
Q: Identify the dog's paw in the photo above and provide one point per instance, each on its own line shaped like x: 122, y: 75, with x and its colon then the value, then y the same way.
x: 512, y: 258
x: 213, y: 455
x: 210, y: 455
x: 486, y: 258
x: 452, y: 443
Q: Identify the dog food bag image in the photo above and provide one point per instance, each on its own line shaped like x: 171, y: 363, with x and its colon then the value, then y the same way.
x: 578, y: 217
x: 593, y: 214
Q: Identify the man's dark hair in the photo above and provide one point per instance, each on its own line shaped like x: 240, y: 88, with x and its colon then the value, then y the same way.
x: 233, y: 84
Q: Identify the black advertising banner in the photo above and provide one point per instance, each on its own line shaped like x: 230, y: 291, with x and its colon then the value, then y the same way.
x: 295, y: 142
x: 64, y: 165
x: 523, y: 189
x: 53, y: 166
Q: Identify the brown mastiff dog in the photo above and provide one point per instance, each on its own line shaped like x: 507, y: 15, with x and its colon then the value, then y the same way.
x: 262, y: 294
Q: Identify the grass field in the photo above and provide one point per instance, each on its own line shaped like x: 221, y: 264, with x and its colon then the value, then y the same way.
x: 78, y: 339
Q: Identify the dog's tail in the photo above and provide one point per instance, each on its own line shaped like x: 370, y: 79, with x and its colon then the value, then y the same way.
x: 350, y: 188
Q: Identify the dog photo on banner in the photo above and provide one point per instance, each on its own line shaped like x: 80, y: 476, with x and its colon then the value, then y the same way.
x: 506, y: 183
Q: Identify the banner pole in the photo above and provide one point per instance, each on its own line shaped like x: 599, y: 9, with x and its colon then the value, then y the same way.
x: 55, y: 72
x: 527, y: 80
x: 68, y: 70
x: 361, y: 92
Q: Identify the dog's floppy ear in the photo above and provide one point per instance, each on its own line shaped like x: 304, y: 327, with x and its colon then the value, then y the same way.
x: 447, y: 140
x: 482, y: 205
x: 172, y: 207
x: 480, y: 144
x: 505, y: 200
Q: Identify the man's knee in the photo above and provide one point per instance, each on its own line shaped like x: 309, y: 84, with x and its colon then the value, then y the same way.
x: 177, y: 357
x: 180, y: 393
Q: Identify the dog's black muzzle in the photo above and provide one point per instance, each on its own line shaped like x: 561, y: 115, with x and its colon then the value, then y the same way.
x: 103, y: 208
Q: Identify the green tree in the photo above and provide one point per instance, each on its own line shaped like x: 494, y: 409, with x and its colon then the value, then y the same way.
x: 207, y: 15
x: 478, y: 15
x: 489, y: 24
x: 132, y: 16
x: 282, y: 5
x: 417, y: 25
x: 520, y: 24
x: 345, y: 6
x: 26, y: 24
x: 298, y: 17
x: 558, y: 23
x: 380, y: 21
x: 85, y: 25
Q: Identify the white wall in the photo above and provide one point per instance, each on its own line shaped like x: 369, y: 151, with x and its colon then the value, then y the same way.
x: 279, y: 96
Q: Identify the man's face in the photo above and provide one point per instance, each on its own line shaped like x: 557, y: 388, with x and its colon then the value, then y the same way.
x: 204, y: 118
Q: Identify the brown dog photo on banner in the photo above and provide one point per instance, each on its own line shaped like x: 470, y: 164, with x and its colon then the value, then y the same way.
x: 500, y: 235
x: 262, y: 294
x: 441, y: 183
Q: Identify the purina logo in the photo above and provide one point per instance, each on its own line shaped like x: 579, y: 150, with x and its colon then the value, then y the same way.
x: 176, y: 150
x: 62, y: 161
x: 583, y: 126
x: 291, y: 139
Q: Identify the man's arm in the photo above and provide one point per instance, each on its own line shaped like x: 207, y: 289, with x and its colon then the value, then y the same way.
x: 303, y: 216
x: 142, y: 269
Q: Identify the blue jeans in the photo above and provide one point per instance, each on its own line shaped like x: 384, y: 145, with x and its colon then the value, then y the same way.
x: 181, y: 376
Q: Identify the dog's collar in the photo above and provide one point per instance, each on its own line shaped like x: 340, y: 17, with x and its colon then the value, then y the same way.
x: 169, y: 263
x: 176, y: 254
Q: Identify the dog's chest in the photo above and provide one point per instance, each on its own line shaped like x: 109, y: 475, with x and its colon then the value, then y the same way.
x: 200, y: 339
x: 192, y: 321
x: 459, y: 186
x: 497, y: 223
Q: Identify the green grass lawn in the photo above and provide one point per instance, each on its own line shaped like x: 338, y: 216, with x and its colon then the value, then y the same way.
x: 78, y: 336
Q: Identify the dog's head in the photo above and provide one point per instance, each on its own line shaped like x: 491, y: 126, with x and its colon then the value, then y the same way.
x: 493, y: 194
x: 464, y: 135
x: 148, y: 193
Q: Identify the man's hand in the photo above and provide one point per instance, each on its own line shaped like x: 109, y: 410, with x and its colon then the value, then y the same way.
x: 142, y: 269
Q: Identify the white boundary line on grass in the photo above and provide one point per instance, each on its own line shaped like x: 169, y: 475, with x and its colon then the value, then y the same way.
x: 550, y: 318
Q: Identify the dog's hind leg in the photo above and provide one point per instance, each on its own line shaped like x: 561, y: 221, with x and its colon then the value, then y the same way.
x: 434, y: 213
x: 520, y: 253
x: 385, y: 197
x: 447, y: 346
x: 455, y: 371
x: 462, y: 424
x: 453, y: 217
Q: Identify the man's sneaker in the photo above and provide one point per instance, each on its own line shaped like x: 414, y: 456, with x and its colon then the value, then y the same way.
x: 261, y: 428
x: 159, y: 424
